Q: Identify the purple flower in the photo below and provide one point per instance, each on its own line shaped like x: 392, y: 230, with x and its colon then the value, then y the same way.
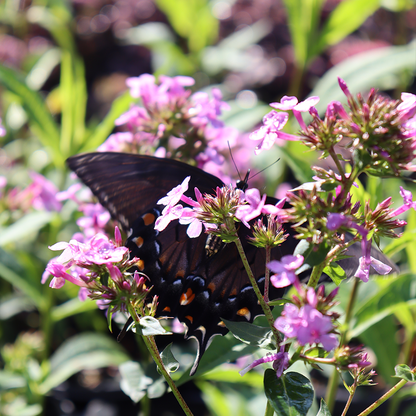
x: 363, y: 271
x: 273, y: 122
x: 407, y: 203
x: 255, y: 207
x: 308, y: 325
x: 314, y: 328
x: 285, y: 271
x: 407, y: 108
x: 291, y: 103
x: 280, y: 362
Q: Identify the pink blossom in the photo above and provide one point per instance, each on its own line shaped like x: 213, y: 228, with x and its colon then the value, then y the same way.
x: 407, y: 202
x: 291, y: 103
x: 273, y: 122
x: 363, y: 270
x: 315, y: 328
x: 255, y: 207
x: 307, y: 325
x: 175, y: 195
x: 280, y: 362
x: 407, y: 108
x: 169, y: 213
x: 285, y: 271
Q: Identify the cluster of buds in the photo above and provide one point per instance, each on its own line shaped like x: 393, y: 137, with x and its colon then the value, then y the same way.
x: 170, y: 121
x: 100, y: 268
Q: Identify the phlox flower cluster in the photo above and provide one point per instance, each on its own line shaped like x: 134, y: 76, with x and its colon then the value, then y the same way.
x: 216, y: 214
x: 40, y: 195
x: 99, y: 267
x: 170, y: 121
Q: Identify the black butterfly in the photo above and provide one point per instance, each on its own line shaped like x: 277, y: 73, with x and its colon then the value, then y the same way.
x: 198, y: 288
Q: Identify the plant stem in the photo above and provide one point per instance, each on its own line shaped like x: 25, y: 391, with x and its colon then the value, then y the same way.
x: 383, y: 398
x: 348, y: 404
x: 316, y: 274
x: 266, y: 309
x: 154, y: 352
x: 267, y: 275
x: 333, y: 381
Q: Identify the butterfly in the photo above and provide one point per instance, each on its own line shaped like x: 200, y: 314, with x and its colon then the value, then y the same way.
x: 194, y: 285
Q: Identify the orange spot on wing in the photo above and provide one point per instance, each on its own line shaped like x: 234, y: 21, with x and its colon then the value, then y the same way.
x: 138, y: 241
x: 166, y: 309
x: 148, y: 218
x: 189, y: 318
x: 187, y: 298
x: 140, y: 265
x: 244, y: 312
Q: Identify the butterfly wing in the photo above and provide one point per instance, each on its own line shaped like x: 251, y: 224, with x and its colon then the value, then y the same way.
x: 197, y: 288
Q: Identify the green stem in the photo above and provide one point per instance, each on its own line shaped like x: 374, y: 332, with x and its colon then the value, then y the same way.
x: 267, y: 275
x: 266, y: 309
x: 154, y: 352
x: 352, y: 393
x: 333, y: 381
x: 269, y: 409
x: 316, y: 274
x: 338, y: 164
x: 383, y: 398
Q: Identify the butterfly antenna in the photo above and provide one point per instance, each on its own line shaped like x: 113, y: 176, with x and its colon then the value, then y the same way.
x: 235, y: 165
x: 267, y: 167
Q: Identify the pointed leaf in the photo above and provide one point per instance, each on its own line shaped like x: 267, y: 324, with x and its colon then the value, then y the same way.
x: 336, y: 273
x: 149, y: 326
x: 251, y: 334
x: 291, y: 394
x: 133, y: 381
x: 404, y: 372
x: 169, y: 361
x: 323, y: 409
x: 85, y: 351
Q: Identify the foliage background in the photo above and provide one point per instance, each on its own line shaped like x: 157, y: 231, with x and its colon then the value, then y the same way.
x: 62, y: 74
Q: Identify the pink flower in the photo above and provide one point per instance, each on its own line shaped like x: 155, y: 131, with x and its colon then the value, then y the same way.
x: 315, y: 328
x: 273, y: 122
x: 285, y: 271
x: 407, y: 202
x: 291, y: 103
x: 280, y: 362
x: 175, y: 195
x: 307, y: 325
x: 255, y: 207
x: 363, y: 270
x: 169, y: 213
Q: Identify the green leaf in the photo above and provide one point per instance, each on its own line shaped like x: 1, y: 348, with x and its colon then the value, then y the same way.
x: 251, y: 334
x: 19, y: 282
x: 85, y: 351
x: 156, y: 389
x: 9, y: 380
x: 335, y: 272
x: 398, y: 244
x: 169, y: 361
x: 379, y: 68
x: 72, y: 307
x: 222, y: 350
x: 303, y: 20
x: 404, y: 372
x: 292, y: 394
x: 323, y: 409
x: 26, y: 226
x: 150, y: 326
x: 103, y: 130
x: 348, y: 16
x: 134, y: 382
x: 384, y: 301
x: 40, y: 119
